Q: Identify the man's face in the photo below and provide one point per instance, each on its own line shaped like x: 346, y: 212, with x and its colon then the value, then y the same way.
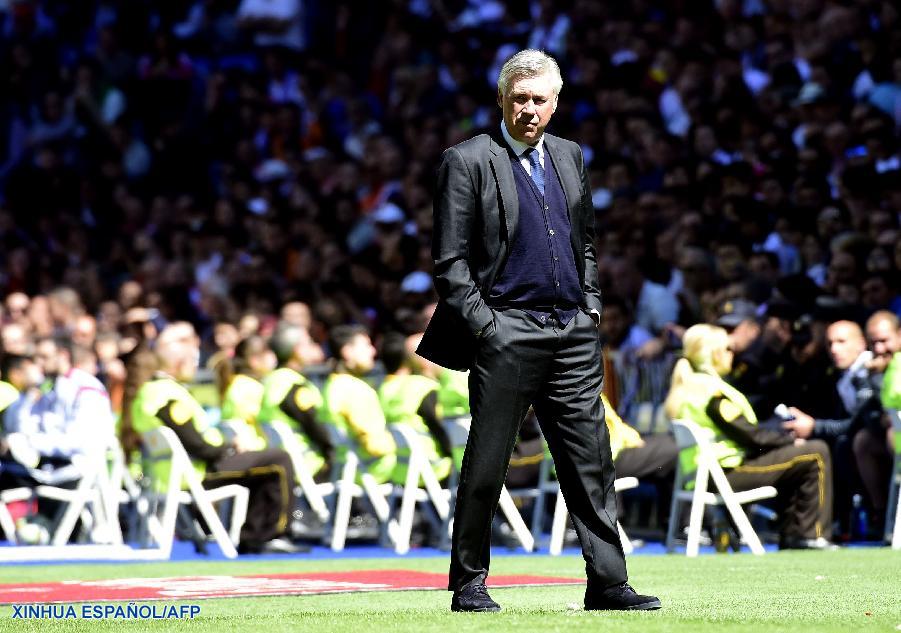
x: 297, y: 313
x: 47, y: 357
x: 189, y: 353
x: 845, y: 345
x: 26, y: 375
x: 307, y: 351
x: 884, y: 339
x: 743, y: 335
x: 17, y: 306
x: 14, y: 339
x: 615, y: 325
x: 180, y: 349
x: 85, y: 331
x: 359, y: 354
x: 875, y: 293
x: 528, y: 106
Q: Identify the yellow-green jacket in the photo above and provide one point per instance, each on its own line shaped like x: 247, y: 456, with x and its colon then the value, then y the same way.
x: 289, y: 397
x: 891, y: 391
x: 241, y: 406
x: 725, y: 413
x: 404, y: 400
x: 453, y: 394
x: 352, y: 406
x: 164, y: 402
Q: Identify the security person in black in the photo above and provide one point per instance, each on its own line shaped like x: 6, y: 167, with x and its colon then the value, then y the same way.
x: 516, y: 271
x: 763, y: 367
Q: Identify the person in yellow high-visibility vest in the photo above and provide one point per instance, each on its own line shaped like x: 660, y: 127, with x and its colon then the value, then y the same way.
x: 752, y: 455
x: 8, y: 393
x: 290, y: 397
x: 242, y: 391
x: 351, y: 405
x: 411, y: 399
x: 163, y: 400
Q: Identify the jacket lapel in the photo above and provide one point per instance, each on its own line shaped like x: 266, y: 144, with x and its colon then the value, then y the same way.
x: 568, y: 173
x: 503, y: 172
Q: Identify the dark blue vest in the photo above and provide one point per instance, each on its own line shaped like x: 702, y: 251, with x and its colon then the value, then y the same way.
x: 540, y: 274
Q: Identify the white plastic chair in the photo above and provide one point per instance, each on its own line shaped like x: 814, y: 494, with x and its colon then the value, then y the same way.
x: 344, y: 477
x: 458, y: 432
x: 558, y: 528
x: 893, y: 508
x: 160, y: 444
x: 280, y: 435
x: 418, y: 468
x: 79, y: 486
x: 689, y: 434
x: 83, y: 487
x: 6, y: 520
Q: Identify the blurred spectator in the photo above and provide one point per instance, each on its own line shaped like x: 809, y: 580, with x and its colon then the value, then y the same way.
x: 872, y: 449
x: 655, y: 305
x: 861, y: 408
x: 245, y: 155
x: 244, y: 159
x: 290, y: 397
x: 72, y: 416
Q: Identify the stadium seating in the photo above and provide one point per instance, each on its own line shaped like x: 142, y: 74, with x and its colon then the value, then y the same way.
x: 10, y: 495
x: 344, y: 479
x: 419, y: 469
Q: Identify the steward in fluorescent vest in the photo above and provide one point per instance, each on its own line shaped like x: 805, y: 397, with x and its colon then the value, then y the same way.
x: 411, y: 399
x: 352, y: 406
x: 750, y: 454
x: 288, y: 396
x: 163, y: 400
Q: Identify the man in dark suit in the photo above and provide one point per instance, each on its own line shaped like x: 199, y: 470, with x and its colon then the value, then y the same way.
x: 519, y: 306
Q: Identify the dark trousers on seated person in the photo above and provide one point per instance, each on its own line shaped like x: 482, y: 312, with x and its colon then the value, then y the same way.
x: 874, y: 463
x: 269, y: 477
x: 654, y: 462
x: 802, y: 475
x: 557, y: 370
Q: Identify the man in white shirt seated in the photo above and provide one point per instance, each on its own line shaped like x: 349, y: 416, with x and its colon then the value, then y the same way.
x: 64, y: 412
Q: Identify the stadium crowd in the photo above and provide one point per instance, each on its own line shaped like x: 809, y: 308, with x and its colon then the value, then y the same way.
x: 258, y: 176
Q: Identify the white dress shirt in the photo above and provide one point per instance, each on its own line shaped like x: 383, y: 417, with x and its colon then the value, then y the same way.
x: 519, y: 148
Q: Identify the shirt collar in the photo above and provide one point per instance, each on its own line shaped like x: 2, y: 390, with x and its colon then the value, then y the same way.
x: 518, y: 146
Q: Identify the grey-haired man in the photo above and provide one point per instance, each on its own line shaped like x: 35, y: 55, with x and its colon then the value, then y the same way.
x: 519, y: 306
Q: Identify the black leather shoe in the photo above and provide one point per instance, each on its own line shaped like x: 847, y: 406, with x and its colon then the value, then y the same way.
x: 620, y: 598
x: 473, y: 598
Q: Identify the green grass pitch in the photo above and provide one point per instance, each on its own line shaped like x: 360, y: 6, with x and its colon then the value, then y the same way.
x: 848, y: 590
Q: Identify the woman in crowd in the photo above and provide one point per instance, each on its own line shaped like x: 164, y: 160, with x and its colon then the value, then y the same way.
x: 241, y: 389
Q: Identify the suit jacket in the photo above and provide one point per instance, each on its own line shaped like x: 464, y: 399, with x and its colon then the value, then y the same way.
x: 476, y: 211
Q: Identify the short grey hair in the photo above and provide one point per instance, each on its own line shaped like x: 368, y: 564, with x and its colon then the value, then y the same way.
x: 529, y: 63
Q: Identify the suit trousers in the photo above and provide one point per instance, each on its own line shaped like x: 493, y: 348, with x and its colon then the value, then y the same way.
x: 558, y: 371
